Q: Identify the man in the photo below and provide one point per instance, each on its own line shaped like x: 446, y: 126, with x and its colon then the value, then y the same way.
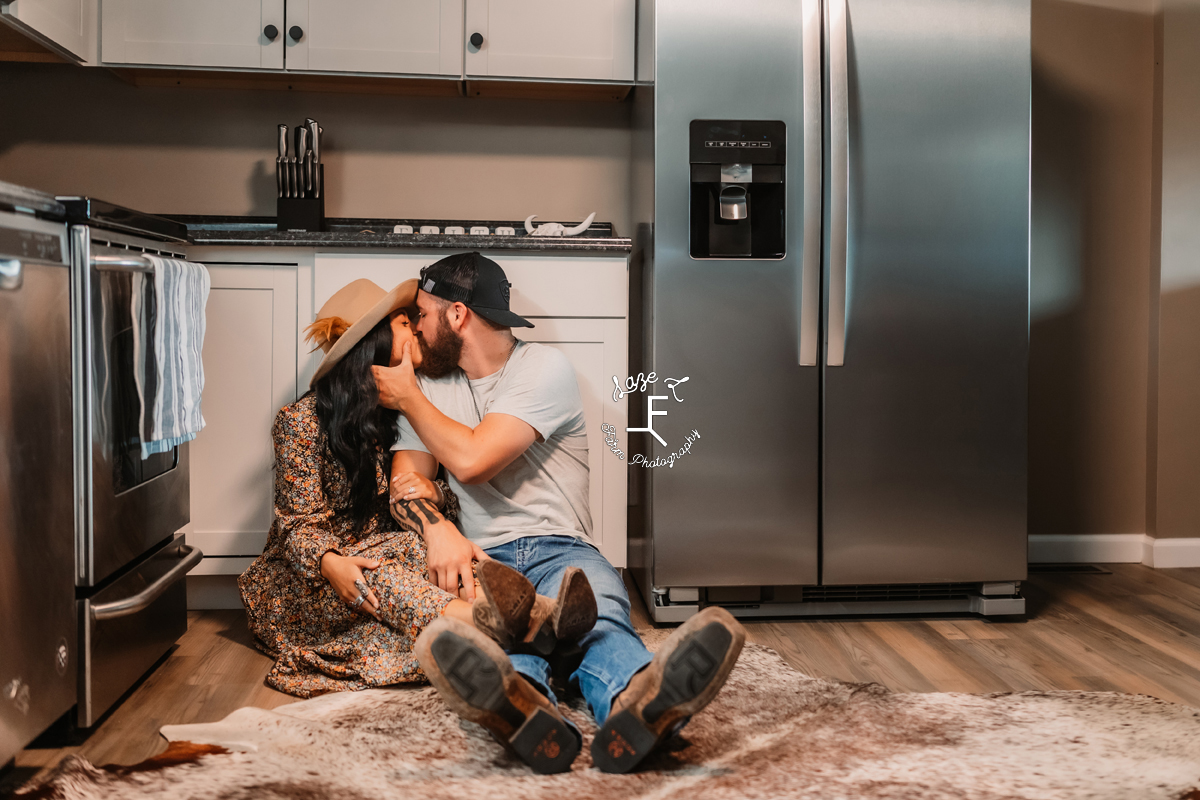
x: 506, y: 420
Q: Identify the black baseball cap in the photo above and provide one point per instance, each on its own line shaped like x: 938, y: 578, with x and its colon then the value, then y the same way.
x: 488, y: 297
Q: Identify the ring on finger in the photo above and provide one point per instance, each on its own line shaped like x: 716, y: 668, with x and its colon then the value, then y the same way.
x: 358, y: 601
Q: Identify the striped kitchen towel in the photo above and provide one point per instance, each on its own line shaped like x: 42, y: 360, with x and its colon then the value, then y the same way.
x: 168, y: 315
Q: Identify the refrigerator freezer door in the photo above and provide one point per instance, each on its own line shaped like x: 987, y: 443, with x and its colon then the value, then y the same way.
x: 925, y: 420
x: 740, y: 506
x: 37, y: 556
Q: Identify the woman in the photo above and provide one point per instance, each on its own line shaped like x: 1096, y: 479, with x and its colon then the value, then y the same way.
x: 341, y: 591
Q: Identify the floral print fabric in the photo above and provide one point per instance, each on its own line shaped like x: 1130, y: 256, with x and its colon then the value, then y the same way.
x: 319, y: 643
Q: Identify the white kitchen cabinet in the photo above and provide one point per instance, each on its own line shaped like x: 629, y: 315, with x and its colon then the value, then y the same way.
x: 186, y: 33
x: 578, y: 305
x: 420, y: 37
x: 249, y: 374
x: 66, y: 26
x: 555, y: 39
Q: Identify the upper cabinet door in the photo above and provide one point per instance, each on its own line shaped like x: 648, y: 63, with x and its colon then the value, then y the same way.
x: 66, y: 26
x: 416, y: 37
x: 186, y: 33
x: 563, y: 39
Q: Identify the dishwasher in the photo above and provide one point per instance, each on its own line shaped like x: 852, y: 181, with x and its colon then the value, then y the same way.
x: 37, y: 556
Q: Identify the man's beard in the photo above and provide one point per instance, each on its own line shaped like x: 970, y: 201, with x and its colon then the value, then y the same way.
x: 440, y: 358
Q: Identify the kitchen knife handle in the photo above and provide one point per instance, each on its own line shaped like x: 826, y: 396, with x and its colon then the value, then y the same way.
x: 810, y: 265
x: 839, y: 183
x: 314, y: 134
x: 314, y: 139
x: 283, y: 140
x: 278, y: 177
x: 302, y: 158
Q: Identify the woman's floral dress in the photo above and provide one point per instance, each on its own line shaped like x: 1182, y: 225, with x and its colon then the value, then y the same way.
x: 320, y: 644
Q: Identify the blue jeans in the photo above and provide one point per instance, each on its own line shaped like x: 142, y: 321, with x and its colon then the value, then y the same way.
x: 612, y: 651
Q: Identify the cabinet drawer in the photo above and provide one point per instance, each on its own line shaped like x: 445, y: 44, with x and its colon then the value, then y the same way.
x: 542, y: 286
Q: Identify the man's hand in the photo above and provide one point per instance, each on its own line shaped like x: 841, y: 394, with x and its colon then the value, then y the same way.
x: 449, y: 558
x: 397, y: 384
x: 449, y: 553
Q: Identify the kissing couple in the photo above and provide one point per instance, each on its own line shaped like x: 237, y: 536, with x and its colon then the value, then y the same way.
x: 485, y: 579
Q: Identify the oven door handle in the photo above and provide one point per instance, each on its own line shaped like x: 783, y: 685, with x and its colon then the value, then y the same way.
x: 139, y: 601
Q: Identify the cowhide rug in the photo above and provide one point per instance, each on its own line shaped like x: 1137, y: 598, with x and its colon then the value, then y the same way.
x: 772, y: 733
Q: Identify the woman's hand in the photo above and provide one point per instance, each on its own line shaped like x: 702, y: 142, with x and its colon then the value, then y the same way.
x: 415, y: 486
x: 343, y: 572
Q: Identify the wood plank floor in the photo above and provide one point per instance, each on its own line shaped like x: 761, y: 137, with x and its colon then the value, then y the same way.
x: 1136, y: 630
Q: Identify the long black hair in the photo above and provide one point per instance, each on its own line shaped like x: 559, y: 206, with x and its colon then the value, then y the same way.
x: 356, y: 427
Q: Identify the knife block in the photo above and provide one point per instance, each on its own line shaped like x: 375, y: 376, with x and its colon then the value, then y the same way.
x: 302, y: 213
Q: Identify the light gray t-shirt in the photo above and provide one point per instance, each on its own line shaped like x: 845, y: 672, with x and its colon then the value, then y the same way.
x: 544, y: 491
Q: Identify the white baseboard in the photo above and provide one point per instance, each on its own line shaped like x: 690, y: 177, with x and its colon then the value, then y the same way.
x: 1114, y: 548
x: 1172, y: 553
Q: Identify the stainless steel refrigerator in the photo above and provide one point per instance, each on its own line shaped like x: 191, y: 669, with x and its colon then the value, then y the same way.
x: 832, y: 247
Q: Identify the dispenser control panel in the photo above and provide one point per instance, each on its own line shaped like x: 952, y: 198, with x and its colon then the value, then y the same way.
x: 738, y: 194
x: 735, y: 143
x: 716, y: 141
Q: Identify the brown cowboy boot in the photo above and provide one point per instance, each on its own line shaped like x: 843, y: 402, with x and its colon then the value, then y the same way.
x: 685, y: 675
x: 477, y: 681
x: 519, y: 619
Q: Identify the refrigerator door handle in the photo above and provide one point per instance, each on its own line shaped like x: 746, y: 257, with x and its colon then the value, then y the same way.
x: 839, y: 188
x: 810, y: 298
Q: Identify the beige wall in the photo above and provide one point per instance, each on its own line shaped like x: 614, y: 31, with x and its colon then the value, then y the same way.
x: 1177, y: 444
x: 1093, y: 79
x: 67, y: 129
x: 1096, y: 407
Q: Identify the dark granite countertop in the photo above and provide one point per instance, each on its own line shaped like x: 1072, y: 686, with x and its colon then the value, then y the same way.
x: 378, y: 233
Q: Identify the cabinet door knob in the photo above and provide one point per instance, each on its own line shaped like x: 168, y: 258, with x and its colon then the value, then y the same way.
x: 477, y: 39
x: 270, y: 32
x: 296, y: 32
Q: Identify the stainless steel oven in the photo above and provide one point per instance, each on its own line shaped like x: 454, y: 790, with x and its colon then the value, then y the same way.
x: 130, y: 560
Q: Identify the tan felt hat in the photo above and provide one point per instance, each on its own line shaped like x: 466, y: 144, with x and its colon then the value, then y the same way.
x: 350, y: 315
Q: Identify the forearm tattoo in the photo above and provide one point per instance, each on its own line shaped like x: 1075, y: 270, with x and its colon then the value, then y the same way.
x: 414, y: 515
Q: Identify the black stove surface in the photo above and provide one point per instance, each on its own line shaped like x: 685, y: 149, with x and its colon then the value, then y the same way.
x: 90, y: 211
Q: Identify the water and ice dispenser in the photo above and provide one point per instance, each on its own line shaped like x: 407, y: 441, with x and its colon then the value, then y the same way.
x: 737, y: 188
